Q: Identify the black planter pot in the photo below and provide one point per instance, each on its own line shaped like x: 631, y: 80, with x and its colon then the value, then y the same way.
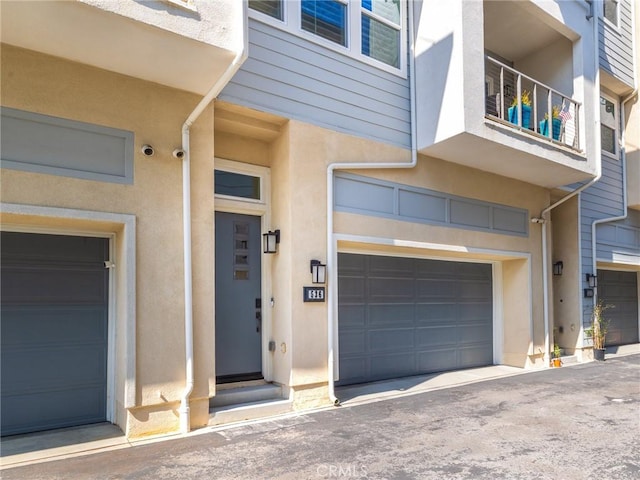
x: 598, y: 354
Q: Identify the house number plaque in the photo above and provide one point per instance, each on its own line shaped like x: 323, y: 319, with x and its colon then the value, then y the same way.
x: 313, y: 294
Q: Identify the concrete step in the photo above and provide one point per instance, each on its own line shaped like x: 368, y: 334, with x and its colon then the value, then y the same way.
x: 249, y: 411
x: 245, y: 395
x: 569, y: 359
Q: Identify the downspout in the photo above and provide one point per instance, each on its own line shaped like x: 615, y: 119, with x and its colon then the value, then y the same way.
x: 625, y: 200
x: 238, y: 60
x: 543, y: 220
x: 332, y: 255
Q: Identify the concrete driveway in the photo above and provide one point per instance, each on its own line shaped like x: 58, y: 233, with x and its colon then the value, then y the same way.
x: 575, y: 422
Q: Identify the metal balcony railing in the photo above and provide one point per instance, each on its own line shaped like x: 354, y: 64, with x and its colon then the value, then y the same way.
x: 525, y: 104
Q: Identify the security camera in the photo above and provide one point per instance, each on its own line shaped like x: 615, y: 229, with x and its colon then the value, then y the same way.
x: 178, y: 153
x: 147, y: 150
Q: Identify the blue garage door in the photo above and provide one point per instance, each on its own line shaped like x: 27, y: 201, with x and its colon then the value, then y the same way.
x: 53, y: 331
x: 404, y: 316
x: 620, y: 289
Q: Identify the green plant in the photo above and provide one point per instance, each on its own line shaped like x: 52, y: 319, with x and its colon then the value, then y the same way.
x: 525, y: 98
x: 555, y: 112
x: 557, y: 353
x: 599, y: 325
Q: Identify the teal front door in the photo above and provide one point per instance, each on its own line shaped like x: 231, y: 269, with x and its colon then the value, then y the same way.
x: 238, y: 302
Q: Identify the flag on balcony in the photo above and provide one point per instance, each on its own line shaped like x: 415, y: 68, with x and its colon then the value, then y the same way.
x: 565, y: 114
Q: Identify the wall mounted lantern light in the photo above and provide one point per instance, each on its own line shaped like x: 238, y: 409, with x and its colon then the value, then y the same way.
x: 588, y: 293
x: 318, y: 272
x: 557, y: 268
x: 592, y: 280
x: 270, y: 241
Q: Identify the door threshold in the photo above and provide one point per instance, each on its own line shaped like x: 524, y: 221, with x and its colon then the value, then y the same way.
x: 246, y: 383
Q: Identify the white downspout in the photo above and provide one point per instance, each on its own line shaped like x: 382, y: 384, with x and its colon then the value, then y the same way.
x: 625, y: 200
x: 332, y: 255
x: 545, y: 267
x: 241, y: 56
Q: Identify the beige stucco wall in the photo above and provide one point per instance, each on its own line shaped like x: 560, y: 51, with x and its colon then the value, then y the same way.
x: 567, y: 296
x: 155, y: 114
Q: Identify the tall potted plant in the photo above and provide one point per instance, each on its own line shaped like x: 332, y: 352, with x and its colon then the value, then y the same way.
x: 555, y: 122
x: 525, y: 100
x: 598, y: 329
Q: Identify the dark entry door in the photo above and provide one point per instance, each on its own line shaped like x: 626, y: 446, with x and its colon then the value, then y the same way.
x: 238, y: 302
x: 54, y: 331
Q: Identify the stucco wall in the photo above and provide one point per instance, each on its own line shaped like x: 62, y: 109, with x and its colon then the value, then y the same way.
x: 155, y: 114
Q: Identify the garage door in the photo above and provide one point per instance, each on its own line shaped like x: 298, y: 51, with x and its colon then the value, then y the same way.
x: 620, y: 289
x: 53, y: 332
x: 404, y: 316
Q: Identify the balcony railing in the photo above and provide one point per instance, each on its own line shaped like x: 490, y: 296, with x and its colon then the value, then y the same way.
x: 525, y: 104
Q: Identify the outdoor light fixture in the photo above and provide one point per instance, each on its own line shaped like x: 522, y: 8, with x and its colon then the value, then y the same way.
x: 270, y: 240
x: 592, y: 280
x: 318, y: 272
x: 588, y: 293
x: 557, y: 268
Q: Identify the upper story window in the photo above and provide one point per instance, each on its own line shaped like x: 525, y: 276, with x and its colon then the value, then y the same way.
x: 608, y: 126
x: 610, y: 11
x: 370, y: 30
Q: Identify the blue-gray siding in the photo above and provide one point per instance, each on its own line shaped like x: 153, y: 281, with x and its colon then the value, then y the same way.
x: 379, y: 198
x: 407, y: 316
x: 296, y: 78
x: 616, y: 45
x: 53, y: 331
x: 56, y: 146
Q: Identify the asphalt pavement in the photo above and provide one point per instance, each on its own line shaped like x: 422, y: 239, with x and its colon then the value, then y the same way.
x: 577, y: 422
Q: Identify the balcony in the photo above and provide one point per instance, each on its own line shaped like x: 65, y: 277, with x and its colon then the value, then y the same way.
x: 505, y: 87
x: 527, y: 105
x: 182, y: 44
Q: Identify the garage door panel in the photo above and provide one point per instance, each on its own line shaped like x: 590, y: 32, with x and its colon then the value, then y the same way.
x: 385, y: 340
x: 390, y: 266
x: 390, y: 290
x: 435, y: 313
x: 420, y: 316
x: 392, y: 365
x: 380, y: 315
x: 353, y: 342
x: 32, y: 326
x: 27, y: 409
x: 437, y: 336
x: 55, y: 285
x: 354, y: 289
x: 620, y: 289
x: 435, y: 290
x: 436, y: 360
x: 354, y: 315
x: 54, y: 331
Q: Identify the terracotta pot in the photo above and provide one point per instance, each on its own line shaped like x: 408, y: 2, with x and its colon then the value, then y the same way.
x: 557, y: 362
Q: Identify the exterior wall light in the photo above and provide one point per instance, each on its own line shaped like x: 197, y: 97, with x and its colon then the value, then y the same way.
x: 592, y: 280
x: 270, y: 241
x: 557, y: 268
x: 588, y: 293
x: 318, y: 272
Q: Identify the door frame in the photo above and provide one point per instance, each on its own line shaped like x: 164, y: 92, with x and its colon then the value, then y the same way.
x: 110, y: 413
x: 258, y: 208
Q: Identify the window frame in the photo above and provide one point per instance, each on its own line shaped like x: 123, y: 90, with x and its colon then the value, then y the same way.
x: 615, y: 127
x: 291, y: 23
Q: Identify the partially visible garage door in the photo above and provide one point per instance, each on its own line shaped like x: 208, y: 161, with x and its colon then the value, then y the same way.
x: 620, y: 289
x: 404, y: 316
x: 53, y: 332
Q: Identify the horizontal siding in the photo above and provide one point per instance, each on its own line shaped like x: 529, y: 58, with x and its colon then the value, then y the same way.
x: 290, y: 76
x: 616, y: 45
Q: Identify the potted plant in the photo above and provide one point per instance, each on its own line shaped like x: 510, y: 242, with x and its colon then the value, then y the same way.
x: 598, y: 329
x: 525, y: 100
x: 556, y: 123
x: 557, y: 353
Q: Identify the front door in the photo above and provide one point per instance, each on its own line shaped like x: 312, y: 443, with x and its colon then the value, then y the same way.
x: 238, y: 302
